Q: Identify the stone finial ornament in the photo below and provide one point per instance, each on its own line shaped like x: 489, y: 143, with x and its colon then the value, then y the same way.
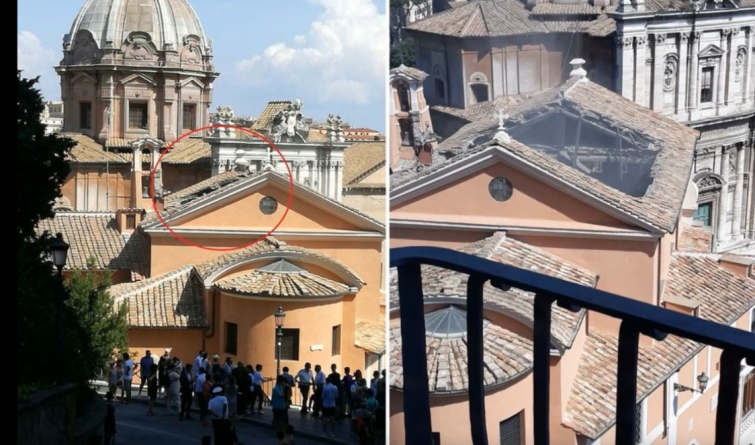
x: 501, y: 137
x: 577, y: 71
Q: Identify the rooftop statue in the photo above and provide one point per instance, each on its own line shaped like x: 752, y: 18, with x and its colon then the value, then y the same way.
x: 289, y: 126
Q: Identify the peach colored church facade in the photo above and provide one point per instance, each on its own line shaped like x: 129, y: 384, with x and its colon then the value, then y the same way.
x: 557, y: 221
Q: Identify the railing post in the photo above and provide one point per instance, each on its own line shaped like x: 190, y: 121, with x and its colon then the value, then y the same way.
x: 541, y: 372
x: 626, y: 376
x: 475, y: 360
x: 417, y: 425
x: 728, y: 395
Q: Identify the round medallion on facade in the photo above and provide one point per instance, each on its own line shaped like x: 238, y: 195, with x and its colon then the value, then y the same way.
x: 268, y: 205
x: 500, y: 189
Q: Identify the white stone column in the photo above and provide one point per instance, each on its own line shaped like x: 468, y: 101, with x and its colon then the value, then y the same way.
x: 733, y: 48
x: 625, y: 55
x: 748, y: 70
x: 736, y: 228
x: 681, y: 75
x: 659, y: 55
x: 639, y: 91
x: 723, y: 69
x: 723, y: 201
x: 692, y: 92
x: 339, y: 181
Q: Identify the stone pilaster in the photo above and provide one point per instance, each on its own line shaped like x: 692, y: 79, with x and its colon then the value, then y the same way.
x: 732, y: 60
x: 692, y: 92
x: 681, y: 76
x: 723, y: 70
x: 748, y: 69
x: 723, y: 201
x: 639, y: 91
x: 659, y: 55
x: 625, y: 53
x: 736, y: 228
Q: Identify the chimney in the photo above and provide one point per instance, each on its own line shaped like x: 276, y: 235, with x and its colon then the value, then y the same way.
x: 577, y: 71
x: 739, y: 265
x: 128, y: 219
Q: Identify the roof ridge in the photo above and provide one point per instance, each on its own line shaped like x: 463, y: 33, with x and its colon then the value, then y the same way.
x: 472, y: 16
x: 156, y: 281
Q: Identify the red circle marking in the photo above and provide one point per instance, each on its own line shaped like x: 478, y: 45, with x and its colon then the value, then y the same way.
x: 222, y: 249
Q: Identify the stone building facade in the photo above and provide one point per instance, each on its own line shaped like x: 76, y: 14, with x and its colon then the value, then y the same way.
x: 690, y: 62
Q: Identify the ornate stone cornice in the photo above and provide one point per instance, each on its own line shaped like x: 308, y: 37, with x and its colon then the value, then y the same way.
x: 624, y: 42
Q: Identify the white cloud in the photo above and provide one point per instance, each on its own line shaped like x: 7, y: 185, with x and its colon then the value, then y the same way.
x: 342, y: 58
x: 36, y: 60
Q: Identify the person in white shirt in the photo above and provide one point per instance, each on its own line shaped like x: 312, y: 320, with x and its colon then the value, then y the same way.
x: 219, y: 411
x: 329, y: 397
x: 304, y: 380
x: 198, y: 396
x: 319, y: 385
x: 128, y: 375
x: 197, y: 363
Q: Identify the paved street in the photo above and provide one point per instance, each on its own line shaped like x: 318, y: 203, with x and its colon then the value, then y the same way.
x: 134, y: 426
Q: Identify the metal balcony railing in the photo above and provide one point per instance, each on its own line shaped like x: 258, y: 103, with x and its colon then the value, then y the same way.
x: 636, y: 318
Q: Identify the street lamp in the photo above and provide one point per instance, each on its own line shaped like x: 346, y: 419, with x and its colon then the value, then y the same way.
x: 279, y: 317
x: 59, y: 250
x: 702, y: 379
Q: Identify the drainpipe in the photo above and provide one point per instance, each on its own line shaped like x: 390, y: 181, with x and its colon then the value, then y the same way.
x: 205, y: 336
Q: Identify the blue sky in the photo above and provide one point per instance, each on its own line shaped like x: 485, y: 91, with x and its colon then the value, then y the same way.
x: 331, y: 54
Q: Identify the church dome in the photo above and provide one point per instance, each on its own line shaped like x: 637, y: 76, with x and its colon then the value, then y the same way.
x: 166, y: 24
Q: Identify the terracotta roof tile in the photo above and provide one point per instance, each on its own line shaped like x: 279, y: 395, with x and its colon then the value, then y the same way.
x: 87, y: 151
x: 669, y: 174
x: 566, y: 9
x: 410, y: 72
x: 442, y: 283
x: 506, y: 356
x: 96, y: 235
x: 695, y: 239
x: 724, y: 298
x: 302, y: 284
x: 209, y: 184
x: 265, y: 120
x: 173, y: 300
x: 361, y: 160
x: 370, y: 337
x: 188, y: 151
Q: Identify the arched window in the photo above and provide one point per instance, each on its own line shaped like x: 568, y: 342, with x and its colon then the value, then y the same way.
x: 709, y: 186
x: 479, y: 88
x: 439, y: 84
x: 404, y: 99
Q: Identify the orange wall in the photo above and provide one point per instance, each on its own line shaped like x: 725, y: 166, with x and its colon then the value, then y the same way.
x: 451, y: 239
x: 531, y: 201
x: 245, y: 212
x: 185, y: 343
x: 450, y: 414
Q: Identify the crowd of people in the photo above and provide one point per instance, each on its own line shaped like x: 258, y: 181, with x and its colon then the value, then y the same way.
x: 226, y: 391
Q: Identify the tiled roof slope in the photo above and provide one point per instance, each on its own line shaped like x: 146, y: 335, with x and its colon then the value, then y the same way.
x: 265, y: 119
x: 442, y: 283
x: 724, y: 298
x: 370, y: 337
x: 502, y: 18
x: 695, y: 239
x: 283, y: 285
x: 173, y: 300
x: 88, y: 151
x: 95, y: 235
x: 660, y: 205
x: 207, y: 185
x: 362, y: 159
x: 411, y: 72
x: 188, y: 151
x: 506, y: 356
x: 212, y: 188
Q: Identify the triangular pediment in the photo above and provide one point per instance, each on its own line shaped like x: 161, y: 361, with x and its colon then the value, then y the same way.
x: 83, y: 77
x: 137, y: 78
x: 711, y: 51
x: 191, y: 80
x: 238, y: 208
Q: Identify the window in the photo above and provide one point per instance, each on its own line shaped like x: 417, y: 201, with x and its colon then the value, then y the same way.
x: 638, y: 424
x: 436, y: 438
x: 703, y: 213
x: 85, y: 114
x: 511, y: 430
x: 268, y: 205
x: 706, y: 85
x: 440, y: 89
x: 403, y: 97
x: 289, y: 345
x: 145, y: 186
x: 231, y: 338
x: 500, y: 189
x: 137, y: 116
x: 130, y: 222
x: 407, y: 133
x: 748, y: 395
x: 336, y: 340
x: 189, y: 121
x: 480, y: 92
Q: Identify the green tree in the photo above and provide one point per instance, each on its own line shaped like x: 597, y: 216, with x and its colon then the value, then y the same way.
x: 402, y: 52
x: 41, y: 168
x: 95, y: 325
